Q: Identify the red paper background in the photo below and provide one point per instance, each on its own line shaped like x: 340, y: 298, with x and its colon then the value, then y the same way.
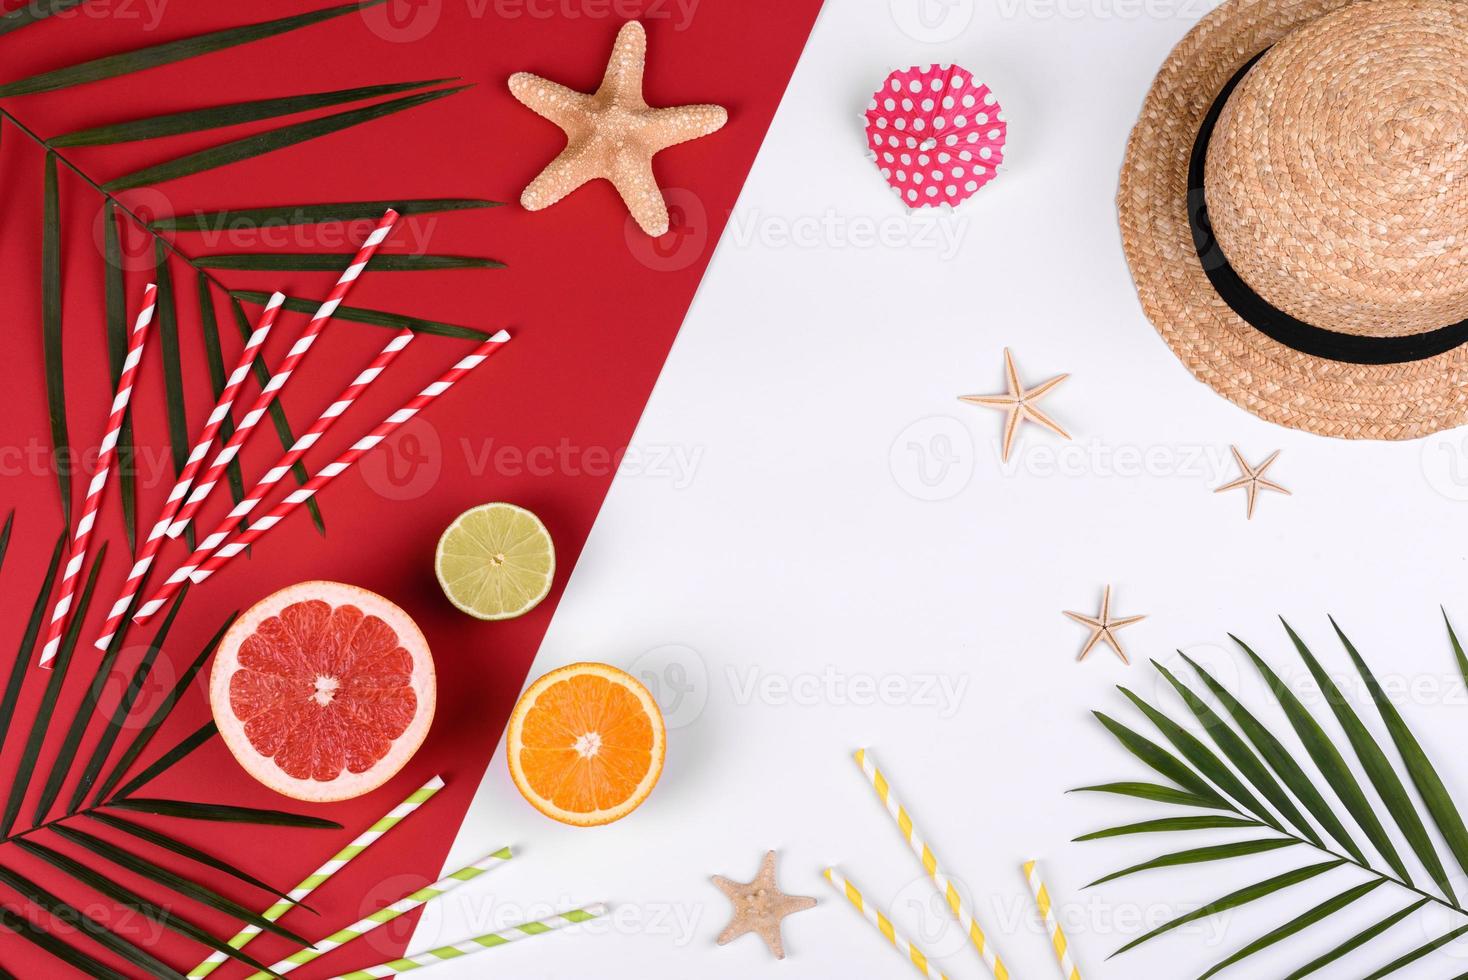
x: 593, y: 306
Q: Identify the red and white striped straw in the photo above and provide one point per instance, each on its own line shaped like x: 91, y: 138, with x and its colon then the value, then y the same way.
x: 344, y: 462
x: 275, y: 474
x: 105, y: 456
x: 201, y: 448
x: 282, y: 373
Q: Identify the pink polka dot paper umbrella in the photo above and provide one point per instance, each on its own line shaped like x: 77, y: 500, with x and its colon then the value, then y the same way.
x: 936, y: 134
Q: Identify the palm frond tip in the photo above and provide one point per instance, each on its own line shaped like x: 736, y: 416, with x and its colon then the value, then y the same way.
x: 1255, y: 779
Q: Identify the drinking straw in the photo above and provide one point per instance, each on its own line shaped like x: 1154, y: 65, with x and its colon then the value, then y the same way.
x: 884, y: 925
x: 251, y: 500
x: 476, y: 945
x: 283, y: 372
x: 385, y: 915
x: 201, y: 448
x: 925, y: 855
x: 107, y: 452
x: 343, y: 462
x: 1047, y: 912
x: 309, y: 438
x: 324, y: 873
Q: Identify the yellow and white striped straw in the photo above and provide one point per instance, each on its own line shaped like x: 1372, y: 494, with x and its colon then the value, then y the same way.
x: 388, y: 913
x: 322, y: 874
x: 914, y: 840
x: 884, y: 925
x: 1047, y: 912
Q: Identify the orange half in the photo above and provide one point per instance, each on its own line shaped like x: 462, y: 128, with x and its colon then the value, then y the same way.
x: 586, y: 744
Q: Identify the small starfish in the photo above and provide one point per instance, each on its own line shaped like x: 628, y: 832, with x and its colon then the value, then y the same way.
x: 612, y: 132
x: 1253, y: 479
x: 1103, y: 627
x: 1018, y: 403
x: 759, y: 906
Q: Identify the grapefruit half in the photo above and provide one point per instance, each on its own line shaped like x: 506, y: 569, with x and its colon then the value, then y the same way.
x: 323, y: 691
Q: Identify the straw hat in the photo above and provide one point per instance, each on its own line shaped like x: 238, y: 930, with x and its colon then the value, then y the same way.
x: 1294, y: 209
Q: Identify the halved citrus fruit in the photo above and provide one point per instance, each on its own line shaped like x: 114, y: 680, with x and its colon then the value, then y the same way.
x: 323, y: 691
x: 586, y: 744
x: 496, y: 561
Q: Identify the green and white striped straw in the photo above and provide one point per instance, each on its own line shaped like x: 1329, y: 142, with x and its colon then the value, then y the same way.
x: 477, y: 945
x: 324, y: 873
x: 385, y: 915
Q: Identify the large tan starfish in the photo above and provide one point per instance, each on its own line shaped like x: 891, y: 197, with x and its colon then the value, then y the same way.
x: 1252, y: 479
x: 1104, y: 627
x: 612, y: 132
x: 1019, y: 404
x: 759, y: 906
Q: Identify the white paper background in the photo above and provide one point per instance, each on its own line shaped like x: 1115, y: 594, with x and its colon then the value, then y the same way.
x: 779, y: 560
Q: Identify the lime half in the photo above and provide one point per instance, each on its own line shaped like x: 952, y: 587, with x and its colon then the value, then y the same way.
x: 495, y: 561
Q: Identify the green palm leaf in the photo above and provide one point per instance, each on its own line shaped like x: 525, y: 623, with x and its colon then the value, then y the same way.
x: 1440, y: 805
x: 128, y: 899
x: 1202, y: 759
x: 334, y: 262
x: 207, y: 731
x: 171, y: 51
x: 1373, y: 760
x: 1235, y: 899
x: 1164, y: 762
x: 220, y: 813
x: 51, y: 332
x: 1200, y: 855
x: 35, y: 934
x: 1333, y: 772
x: 125, y: 703
x: 1357, y: 941
x: 1299, y: 923
x: 1281, y: 761
x: 234, y: 114
x: 376, y: 318
x: 1409, y: 958
x: 1457, y: 648
x: 1169, y: 825
x: 151, y: 836
x: 214, y: 355
x: 80, y: 719
x: 1238, y: 752
x: 129, y: 861
x: 1156, y: 793
x: 33, y: 12
x: 287, y: 215
x: 270, y: 141
x: 115, y: 306
x: 42, y: 721
x: 1328, y: 759
x: 167, y: 314
x: 145, y: 734
x: 82, y: 705
x: 28, y: 640
x: 66, y: 914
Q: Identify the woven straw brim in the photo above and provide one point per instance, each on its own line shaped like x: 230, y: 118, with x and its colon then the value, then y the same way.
x: 1275, y: 382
